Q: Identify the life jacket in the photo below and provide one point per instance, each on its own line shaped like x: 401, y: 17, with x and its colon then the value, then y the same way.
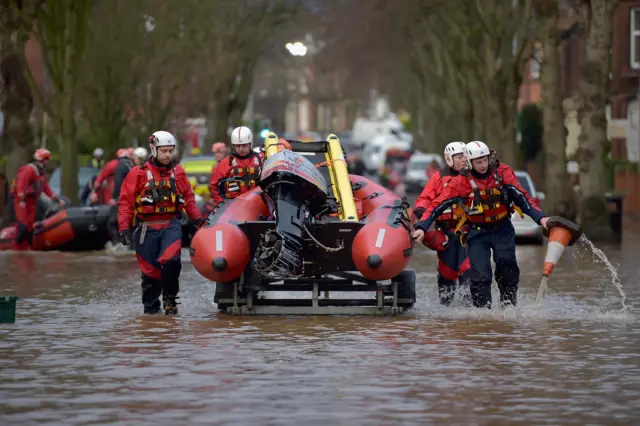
x: 97, y: 164
x: 159, y: 196
x: 241, y: 178
x: 35, y: 189
x: 452, y: 215
x: 488, y: 206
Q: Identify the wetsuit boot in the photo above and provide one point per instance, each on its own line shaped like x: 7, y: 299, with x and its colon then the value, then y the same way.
x: 151, y: 290
x: 170, y: 305
x: 171, y: 286
x: 446, y: 290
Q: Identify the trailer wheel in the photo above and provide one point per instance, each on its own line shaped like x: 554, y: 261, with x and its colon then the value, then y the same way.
x: 406, y: 288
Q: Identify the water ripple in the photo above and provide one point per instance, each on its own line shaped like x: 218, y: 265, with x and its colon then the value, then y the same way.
x: 82, y: 353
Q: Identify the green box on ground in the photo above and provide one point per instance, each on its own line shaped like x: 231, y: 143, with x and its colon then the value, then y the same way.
x: 8, y: 309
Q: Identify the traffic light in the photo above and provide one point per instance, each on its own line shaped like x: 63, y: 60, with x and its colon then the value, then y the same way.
x: 265, y: 127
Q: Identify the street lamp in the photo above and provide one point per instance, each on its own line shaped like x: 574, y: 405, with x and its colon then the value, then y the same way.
x: 296, y: 49
x: 299, y: 49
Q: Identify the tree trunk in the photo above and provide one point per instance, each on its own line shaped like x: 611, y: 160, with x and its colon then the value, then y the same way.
x: 559, y: 195
x: 16, y: 102
x: 69, y: 148
x: 66, y: 124
x: 16, y: 99
x: 594, y: 89
x: 222, y: 113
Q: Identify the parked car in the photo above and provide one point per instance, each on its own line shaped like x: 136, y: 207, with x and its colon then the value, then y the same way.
x: 198, y: 170
x: 415, y: 178
x: 526, y: 228
x: 85, y: 174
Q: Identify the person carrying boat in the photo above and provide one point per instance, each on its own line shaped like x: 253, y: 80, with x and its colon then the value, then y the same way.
x: 155, y: 194
x: 104, y: 180
x: 29, y: 183
x: 238, y: 172
x: 490, y: 192
x: 453, y: 263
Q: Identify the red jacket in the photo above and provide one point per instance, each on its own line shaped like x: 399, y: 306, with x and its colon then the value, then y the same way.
x: 137, y: 184
x: 30, y: 182
x: 461, y: 186
x: 106, y: 173
x: 247, y: 168
x: 435, y: 186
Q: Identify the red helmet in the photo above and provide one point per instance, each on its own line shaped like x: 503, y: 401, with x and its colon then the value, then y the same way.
x: 218, y: 147
x: 42, y: 154
x: 122, y: 152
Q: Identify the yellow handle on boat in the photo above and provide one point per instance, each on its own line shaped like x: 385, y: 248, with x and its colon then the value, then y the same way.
x: 345, y: 193
x: 271, y: 144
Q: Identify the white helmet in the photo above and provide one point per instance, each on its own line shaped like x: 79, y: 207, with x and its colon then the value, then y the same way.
x: 98, y: 152
x: 161, y: 138
x: 475, y: 149
x: 241, y: 136
x: 452, y: 149
x: 140, y: 153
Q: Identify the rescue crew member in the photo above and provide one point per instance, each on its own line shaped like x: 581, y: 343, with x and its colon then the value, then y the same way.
x: 97, y: 162
x: 104, y: 181
x: 220, y: 151
x: 29, y: 183
x: 125, y: 164
x: 490, y: 192
x: 238, y: 172
x: 156, y: 193
x: 140, y: 155
x: 453, y: 263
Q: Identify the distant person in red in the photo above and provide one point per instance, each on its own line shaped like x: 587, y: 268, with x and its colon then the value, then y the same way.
x: 220, y: 151
x: 156, y: 193
x: 103, y: 186
x: 432, y: 169
x: 30, y: 182
x: 238, y: 172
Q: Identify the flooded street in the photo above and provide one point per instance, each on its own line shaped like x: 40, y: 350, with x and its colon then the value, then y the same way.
x: 81, y: 352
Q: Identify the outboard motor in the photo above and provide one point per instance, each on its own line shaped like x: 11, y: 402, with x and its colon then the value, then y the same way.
x: 296, y: 192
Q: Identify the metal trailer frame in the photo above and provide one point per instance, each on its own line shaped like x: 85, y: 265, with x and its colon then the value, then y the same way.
x: 391, y: 298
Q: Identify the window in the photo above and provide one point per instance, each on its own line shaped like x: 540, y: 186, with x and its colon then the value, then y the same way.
x: 634, y: 33
x: 524, y: 183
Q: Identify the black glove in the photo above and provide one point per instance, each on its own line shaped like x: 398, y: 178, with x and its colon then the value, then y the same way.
x: 125, y: 237
x: 419, y: 212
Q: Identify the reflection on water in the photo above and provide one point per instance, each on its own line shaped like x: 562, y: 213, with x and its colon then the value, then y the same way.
x: 81, y: 352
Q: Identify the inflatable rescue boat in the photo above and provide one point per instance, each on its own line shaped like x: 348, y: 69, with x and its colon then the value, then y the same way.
x: 309, y: 226
x: 70, y: 229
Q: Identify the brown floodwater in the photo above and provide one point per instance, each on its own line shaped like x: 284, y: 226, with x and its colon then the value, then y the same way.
x: 82, y: 352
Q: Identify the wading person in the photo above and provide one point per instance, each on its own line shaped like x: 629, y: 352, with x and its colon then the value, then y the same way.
x: 157, y: 192
x: 490, y: 193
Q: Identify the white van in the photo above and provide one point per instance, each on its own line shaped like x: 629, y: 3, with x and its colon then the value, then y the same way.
x: 374, y: 153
